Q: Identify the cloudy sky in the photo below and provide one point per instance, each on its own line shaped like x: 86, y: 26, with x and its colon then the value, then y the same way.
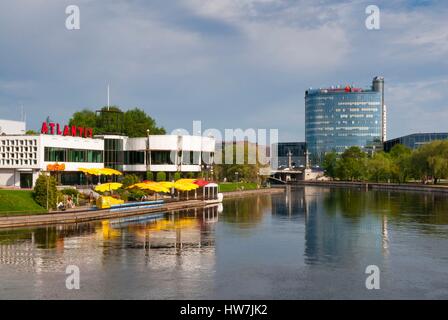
x: 229, y: 63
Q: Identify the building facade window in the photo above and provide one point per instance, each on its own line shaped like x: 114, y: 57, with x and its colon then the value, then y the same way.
x: 52, y: 154
x: 191, y: 157
x: 113, y: 154
x: 134, y: 157
x: 163, y: 157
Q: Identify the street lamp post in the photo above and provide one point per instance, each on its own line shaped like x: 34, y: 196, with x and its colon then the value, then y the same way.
x: 148, y: 153
x: 48, y: 174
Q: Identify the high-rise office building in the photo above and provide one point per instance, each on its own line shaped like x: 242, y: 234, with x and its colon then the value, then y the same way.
x: 337, y: 118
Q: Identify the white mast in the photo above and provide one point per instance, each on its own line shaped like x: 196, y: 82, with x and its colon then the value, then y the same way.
x: 108, y: 98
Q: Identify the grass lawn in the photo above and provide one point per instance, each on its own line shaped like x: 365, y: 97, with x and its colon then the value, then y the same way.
x: 235, y: 186
x: 18, y: 202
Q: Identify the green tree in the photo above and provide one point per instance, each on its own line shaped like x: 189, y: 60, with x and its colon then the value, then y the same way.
x: 352, y: 165
x: 177, y: 176
x: 379, y: 167
x: 247, y: 171
x: 431, y: 161
x: 30, y: 132
x: 85, y: 118
x: 401, y: 166
x: 44, y: 189
x: 330, y: 164
x: 129, y: 180
x: 149, y: 176
x: 135, y: 122
x: 161, y: 176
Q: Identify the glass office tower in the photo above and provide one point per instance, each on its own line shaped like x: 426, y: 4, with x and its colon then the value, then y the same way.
x: 337, y: 118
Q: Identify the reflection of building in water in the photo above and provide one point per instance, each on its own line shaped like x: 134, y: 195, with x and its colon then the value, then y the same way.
x: 337, y: 227
x: 292, y: 202
x: 95, y: 243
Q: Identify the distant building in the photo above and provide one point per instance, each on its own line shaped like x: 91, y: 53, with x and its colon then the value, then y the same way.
x: 12, y: 127
x: 337, y: 118
x: 415, y: 140
x: 288, y: 154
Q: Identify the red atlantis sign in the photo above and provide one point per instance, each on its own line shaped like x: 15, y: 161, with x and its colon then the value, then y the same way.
x: 74, y: 131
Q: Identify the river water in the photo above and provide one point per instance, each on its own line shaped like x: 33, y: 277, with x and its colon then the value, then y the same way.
x: 311, y: 242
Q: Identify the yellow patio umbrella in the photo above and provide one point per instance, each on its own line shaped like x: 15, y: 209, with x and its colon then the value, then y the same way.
x: 152, y: 186
x: 166, y: 184
x: 185, y: 186
x: 186, y: 180
x: 110, y: 172
x: 108, y: 186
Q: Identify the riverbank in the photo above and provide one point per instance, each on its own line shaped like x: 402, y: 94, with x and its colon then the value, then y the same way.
x: 246, y: 193
x: 77, y: 216
x: 376, y: 186
x: 17, y: 202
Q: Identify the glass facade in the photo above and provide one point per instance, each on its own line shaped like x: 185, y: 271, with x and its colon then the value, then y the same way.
x: 113, y: 154
x: 190, y: 157
x: 72, y: 155
x: 338, y: 118
x: 134, y: 157
x: 163, y: 157
x: 282, y: 150
x: 415, y: 140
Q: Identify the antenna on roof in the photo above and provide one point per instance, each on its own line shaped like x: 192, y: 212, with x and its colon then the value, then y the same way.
x: 108, y: 97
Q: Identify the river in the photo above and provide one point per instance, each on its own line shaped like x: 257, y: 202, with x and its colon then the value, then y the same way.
x: 309, y: 243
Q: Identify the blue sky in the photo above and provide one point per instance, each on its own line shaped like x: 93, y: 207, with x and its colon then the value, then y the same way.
x: 229, y: 63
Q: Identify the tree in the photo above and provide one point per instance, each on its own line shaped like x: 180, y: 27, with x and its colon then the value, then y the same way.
x: 330, y: 164
x: 129, y: 180
x: 352, y: 165
x: 431, y: 161
x: 149, y: 176
x: 30, y: 132
x: 176, y: 176
x: 247, y: 171
x: 161, y: 176
x: 44, y: 189
x: 85, y: 118
x: 379, y: 167
x: 135, y: 121
x: 401, y: 168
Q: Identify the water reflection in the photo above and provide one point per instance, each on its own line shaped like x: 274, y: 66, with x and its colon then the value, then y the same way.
x: 307, y: 242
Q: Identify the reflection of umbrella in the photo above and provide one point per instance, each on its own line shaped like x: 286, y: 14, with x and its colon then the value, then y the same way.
x: 152, y: 186
x: 108, y: 186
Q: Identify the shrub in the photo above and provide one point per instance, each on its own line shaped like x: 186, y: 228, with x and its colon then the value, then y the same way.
x: 124, y: 194
x: 135, y: 195
x: 176, y: 176
x: 149, y: 176
x: 161, y: 176
x: 70, y: 192
x: 130, y: 179
x: 45, y: 186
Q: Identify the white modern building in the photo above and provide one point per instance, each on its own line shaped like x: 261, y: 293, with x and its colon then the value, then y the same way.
x: 12, y: 127
x: 24, y: 157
